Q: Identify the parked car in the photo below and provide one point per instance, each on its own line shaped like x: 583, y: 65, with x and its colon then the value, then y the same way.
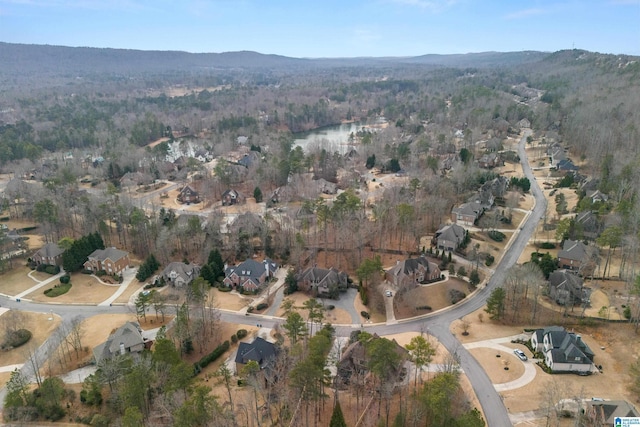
x: 389, y: 294
x: 520, y: 354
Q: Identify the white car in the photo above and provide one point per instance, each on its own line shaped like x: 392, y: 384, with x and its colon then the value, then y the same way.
x: 520, y: 354
x: 388, y: 293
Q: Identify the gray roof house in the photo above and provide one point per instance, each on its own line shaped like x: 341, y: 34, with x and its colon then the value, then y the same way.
x: 126, y: 339
x: 324, y: 281
x: 260, y: 351
x: 450, y: 236
x: 50, y: 253
x: 250, y: 275
x: 566, y: 352
x: 467, y: 213
x: 180, y: 274
x: 589, y: 223
x: 566, y: 287
x: 573, y: 255
x: 604, y: 413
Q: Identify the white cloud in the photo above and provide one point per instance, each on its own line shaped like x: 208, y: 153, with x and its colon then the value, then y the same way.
x: 525, y: 13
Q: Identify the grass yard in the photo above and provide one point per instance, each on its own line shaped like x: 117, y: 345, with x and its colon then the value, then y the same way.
x: 39, y: 325
x: 16, y: 280
x: 435, y: 296
x: 85, y: 289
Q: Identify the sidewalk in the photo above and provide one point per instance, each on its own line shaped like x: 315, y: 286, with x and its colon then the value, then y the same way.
x: 128, y: 275
x: 496, y: 344
x: 40, y: 284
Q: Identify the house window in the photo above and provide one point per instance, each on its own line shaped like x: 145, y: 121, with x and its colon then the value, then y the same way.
x: 577, y: 358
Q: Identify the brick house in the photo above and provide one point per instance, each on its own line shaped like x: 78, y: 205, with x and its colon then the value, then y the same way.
x: 413, y: 271
x: 573, y: 255
x: 110, y: 260
x: 188, y: 195
x: 250, y: 275
x: 50, y: 253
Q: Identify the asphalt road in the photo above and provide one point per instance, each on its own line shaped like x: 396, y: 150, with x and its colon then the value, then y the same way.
x: 436, y: 324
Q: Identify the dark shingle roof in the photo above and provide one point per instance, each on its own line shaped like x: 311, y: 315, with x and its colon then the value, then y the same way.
x: 260, y: 351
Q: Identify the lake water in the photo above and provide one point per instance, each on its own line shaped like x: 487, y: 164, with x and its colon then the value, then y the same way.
x: 331, y: 138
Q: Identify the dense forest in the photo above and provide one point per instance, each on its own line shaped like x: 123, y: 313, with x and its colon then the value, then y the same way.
x: 79, y: 138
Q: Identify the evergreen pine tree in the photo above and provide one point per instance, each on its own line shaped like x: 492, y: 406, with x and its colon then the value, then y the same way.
x: 337, y: 418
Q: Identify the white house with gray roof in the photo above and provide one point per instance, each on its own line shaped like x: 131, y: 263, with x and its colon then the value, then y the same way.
x: 180, y: 274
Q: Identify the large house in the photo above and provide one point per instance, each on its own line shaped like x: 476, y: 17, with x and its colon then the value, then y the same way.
x: 604, y: 413
x: 567, y: 288
x: 188, y: 195
x: 109, y: 260
x: 413, y: 271
x: 556, y: 154
x: 180, y: 274
x: 127, y: 339
x: 449, y: 237
x: 354, y: 361
x: 563, y: 351
x: 490, y: 160
x: 250, y: 275
x: 50, y: 254
x: 327, y: 282
x: 589, y: 224
x: 573, y: 255
x: 260, y: 351
x: 467, y: 213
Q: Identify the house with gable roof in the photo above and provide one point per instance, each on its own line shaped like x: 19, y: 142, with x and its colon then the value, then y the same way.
x: 231, y: 197
x: 260, y: 351
x: 50, y: 254
x: 250, y: 275
x: 566, y: 287
x: 449, y: 237
x: 604, y: 413
x: 127, y: 339
x: 573, y: 255
x: 188, y: 195
x: 589, y: 224
x: 109, y: 260
x: 413, y: 271
x: 180, y: 274
x: 467, y: 213
x: 326, y: 282
x: 564, y: 351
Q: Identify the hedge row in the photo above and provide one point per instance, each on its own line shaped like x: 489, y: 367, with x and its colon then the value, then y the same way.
x: 211, y: 357
x: 58, y: 290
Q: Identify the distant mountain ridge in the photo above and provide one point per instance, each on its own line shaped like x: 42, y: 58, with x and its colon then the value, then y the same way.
x: 24, y: 61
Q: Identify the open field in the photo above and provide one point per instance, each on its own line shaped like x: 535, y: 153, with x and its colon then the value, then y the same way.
x: 84, y: 289
x: 16, y: 280
x: 435, y: 295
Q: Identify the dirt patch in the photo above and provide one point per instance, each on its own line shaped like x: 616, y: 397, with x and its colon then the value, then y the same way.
x: 495, y: 366
x: 229, y: 301
x: 337, y: 316
x: 435, y: 296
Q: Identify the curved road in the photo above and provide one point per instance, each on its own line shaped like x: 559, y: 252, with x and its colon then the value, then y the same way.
x: 437, y: 324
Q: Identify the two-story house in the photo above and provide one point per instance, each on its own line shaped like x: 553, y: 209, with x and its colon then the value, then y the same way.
x: 50, y: 254
x: 180, y: 274
x: 413, y: 271
x: 109, y: 260
x: 250, y: 275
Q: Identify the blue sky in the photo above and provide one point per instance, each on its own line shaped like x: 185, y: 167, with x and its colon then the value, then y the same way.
x: 327, y: 28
